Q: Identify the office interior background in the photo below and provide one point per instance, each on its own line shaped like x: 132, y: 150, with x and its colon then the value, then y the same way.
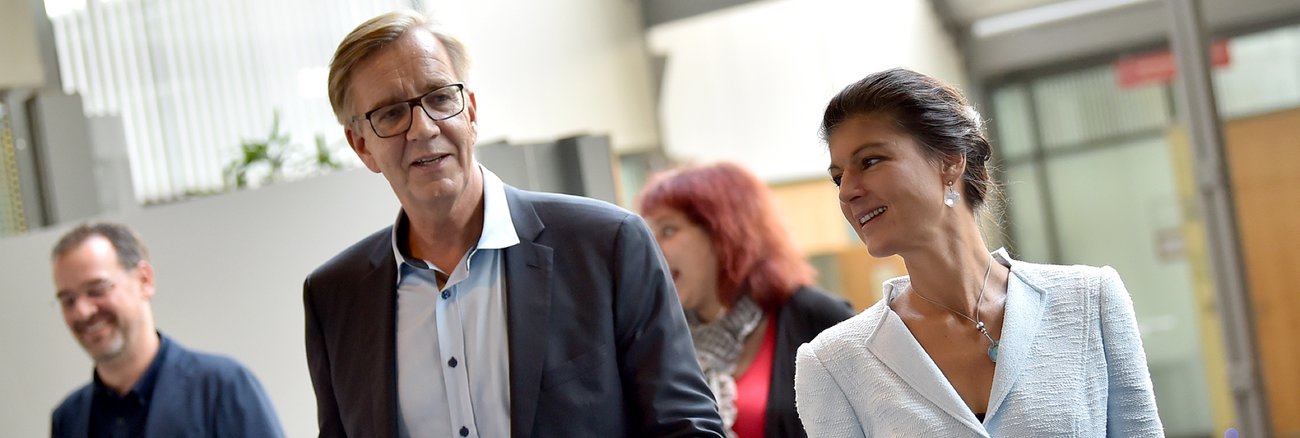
x: 205, y: 125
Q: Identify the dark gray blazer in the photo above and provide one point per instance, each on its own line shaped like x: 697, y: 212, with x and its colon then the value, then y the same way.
x: 598, y: 343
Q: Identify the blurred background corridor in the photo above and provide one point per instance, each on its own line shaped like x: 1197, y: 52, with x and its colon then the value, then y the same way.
x: 205, y: 125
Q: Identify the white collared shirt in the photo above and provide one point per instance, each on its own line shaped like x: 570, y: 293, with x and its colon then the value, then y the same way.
x: 453, y: 367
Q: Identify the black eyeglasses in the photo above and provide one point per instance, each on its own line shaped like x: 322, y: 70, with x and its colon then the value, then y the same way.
x: 440, y: 104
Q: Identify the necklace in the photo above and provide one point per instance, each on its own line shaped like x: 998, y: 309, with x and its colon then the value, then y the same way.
x: 979, y: 323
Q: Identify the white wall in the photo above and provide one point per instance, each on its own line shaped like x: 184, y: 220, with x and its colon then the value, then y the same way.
x: 230, y: 271
x: 749, y: 83
x: 544, y: 70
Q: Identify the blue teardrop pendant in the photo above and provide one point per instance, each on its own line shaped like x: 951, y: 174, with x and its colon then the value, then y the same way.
x: 993, y: 352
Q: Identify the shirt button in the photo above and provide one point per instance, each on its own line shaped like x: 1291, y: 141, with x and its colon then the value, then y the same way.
x: 452, y: 362
x: 446, y: 294
x: 464, y: 431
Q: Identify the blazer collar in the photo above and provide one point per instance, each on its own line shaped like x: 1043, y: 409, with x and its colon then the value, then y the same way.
x: 895, y: 346
x: 80, y: 424
x: 381, y: 278
x: 498, y: 226
x: 172, y: 383
x: 528, y: 301
x: 528, y: 268
x: 1021, y: 322
x: 164, y: 392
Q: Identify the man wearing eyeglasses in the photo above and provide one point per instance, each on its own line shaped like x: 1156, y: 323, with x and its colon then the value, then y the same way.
x: 145, y: 383
x: 484, y: 311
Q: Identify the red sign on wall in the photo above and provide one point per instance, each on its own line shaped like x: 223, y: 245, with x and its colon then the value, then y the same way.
x: 1161, y: 67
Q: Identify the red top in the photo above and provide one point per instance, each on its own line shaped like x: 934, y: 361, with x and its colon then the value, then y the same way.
x: 752, y: 388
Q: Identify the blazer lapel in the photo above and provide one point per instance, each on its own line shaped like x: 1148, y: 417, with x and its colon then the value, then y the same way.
x: 894, y: 345
x: 80, y: 426
x: 378, y: 335
x: 1020, y: 323
x: 528, y: 305
x: 171, y: 386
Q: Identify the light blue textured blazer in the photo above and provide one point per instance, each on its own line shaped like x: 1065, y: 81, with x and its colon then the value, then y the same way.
x: 1070, y: 365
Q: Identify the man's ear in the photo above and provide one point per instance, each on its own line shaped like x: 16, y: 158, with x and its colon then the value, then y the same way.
x: 471, y: 108
x: 358, y: 144
x: 144, y: 274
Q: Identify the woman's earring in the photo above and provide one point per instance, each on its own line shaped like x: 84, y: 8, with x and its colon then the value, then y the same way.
x: 951, y: 196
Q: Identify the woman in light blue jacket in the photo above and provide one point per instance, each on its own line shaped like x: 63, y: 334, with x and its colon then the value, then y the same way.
x: 971, y: 343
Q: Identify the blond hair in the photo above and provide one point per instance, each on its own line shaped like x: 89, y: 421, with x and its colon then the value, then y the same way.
x: 371, y: 37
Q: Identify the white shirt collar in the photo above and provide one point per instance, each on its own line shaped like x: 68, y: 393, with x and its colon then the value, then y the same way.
x: 498, y: 227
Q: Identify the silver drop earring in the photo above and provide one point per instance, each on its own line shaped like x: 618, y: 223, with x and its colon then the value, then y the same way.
x: 951, y: 196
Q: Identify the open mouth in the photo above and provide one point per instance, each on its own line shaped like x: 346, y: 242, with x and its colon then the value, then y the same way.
x: 870, y: 215
x: 429, y: 161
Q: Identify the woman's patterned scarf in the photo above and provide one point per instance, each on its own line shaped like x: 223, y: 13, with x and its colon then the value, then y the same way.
x: 717, y: 346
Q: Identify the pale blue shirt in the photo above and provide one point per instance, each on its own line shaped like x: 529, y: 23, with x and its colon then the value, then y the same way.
x: 453, y: 369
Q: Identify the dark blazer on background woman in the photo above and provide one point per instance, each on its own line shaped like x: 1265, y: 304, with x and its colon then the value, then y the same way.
x: 806, y: 314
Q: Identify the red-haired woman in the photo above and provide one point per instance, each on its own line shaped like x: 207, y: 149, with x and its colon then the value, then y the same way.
x: 745, y: 288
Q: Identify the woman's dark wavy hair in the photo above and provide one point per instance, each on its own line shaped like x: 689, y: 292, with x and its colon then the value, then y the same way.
x: 933, y: 113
